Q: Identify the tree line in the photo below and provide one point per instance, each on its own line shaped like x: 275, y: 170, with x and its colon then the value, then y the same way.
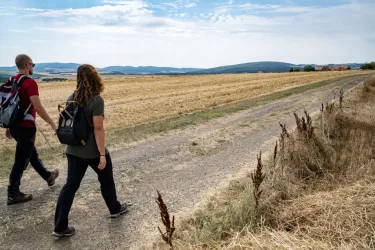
x: 370, y: 65
x: 307, y: 68
x: 55, y: 79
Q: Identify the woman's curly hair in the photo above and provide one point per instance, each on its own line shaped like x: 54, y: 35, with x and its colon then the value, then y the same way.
x: 89, y: 84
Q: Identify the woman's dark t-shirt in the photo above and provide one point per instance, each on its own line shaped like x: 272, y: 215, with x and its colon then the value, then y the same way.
x: 94, y: 107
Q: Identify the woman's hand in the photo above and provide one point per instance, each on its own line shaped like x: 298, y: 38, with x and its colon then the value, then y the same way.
x: 103, y: 162
x: 7, y: 134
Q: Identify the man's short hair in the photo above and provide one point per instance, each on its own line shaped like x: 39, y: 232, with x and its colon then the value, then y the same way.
x: 22, y: 60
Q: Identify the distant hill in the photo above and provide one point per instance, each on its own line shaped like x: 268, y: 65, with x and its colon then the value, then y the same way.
x: 147, y: 70
x: 72, y: 68
x: 4, y: 76
x: 112, y: 73
x: 51, y: 67
x: 253, y: 67
x: 8, y: 69
x: 47, y: 67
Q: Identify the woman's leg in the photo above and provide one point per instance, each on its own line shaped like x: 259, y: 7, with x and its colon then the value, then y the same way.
x: 107, y: 184
x: 76, y: 170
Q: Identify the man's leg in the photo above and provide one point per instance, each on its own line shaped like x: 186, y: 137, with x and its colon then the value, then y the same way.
x: 76, y: 170
x: 107, y: 184
x: 38, y: 165
x: 25, y: 138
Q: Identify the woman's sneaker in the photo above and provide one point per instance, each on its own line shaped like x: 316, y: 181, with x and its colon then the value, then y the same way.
x: 123, y: 210
x: 68, y: 232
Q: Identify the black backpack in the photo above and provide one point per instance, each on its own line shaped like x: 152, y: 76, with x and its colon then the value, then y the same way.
x: 11, y: 112
x: 74, y: 127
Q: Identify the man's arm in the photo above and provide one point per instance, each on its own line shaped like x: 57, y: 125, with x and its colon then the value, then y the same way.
x: 35, y: 100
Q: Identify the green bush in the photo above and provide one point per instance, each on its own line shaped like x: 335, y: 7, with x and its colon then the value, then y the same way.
x: 368, y: 66
x: 308, y: 68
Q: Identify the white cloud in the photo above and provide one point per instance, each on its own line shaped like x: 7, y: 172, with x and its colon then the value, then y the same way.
x: 11, y: 11
x: 172, y: 5
x: 223, y: 9
x: 105, y: 11
x: 133, y: 3
x: 189, y: 5
x: 231, y: 2
x: 295, y: 9
x: 19, y: 31
x: 276, y: 8
x: 258, y: 6
x: 31, y: 9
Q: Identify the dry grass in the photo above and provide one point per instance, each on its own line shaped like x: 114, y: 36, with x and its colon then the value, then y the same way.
x: 345, y: 215
x: 318, y: 192
x: 369, y: 85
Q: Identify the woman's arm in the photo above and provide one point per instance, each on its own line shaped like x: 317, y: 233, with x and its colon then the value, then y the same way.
x: 98, y: 122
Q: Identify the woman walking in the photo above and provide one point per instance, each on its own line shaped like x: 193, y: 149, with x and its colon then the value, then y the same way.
x: 93, y: 153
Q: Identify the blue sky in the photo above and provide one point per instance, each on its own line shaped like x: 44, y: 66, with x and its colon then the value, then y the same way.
x: 187, y: 33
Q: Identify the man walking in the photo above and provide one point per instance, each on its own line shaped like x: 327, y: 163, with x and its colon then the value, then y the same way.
x: 25, y: 132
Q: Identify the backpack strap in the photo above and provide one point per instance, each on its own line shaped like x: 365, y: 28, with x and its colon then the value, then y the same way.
x: 9, y: 82
x: 18, y: 85
x: 20, y: 80
x: 85, y: 111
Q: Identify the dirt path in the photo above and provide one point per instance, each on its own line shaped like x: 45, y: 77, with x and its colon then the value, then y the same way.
x: 186, y: 166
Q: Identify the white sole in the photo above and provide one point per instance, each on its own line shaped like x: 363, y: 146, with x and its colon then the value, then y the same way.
x: 61, y: 235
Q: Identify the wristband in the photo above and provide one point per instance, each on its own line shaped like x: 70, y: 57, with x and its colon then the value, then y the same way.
x: 102, y: 155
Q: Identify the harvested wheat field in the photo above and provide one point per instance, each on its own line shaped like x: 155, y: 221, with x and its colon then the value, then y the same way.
x: 139, y: 99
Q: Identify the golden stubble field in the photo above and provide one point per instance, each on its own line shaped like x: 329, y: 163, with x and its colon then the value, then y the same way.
x: 132, y: 100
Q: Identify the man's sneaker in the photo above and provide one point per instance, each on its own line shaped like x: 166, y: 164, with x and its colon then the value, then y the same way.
x: 123, y: 209
x: 19, y: 198
x: 52, y: 178
x: 68, y: 232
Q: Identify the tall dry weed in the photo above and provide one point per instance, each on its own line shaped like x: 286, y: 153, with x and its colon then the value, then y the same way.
x: 304, y: 154
x: 257, y: 177
x: 167, y: 222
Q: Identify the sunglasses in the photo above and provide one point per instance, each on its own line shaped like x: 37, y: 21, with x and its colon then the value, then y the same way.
x: 32, y: 64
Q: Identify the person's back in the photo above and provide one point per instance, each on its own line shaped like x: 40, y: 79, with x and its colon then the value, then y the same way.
x: 24, y: 133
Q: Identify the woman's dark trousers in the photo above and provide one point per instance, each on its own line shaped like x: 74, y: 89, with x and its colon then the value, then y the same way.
x: 76, y: 170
